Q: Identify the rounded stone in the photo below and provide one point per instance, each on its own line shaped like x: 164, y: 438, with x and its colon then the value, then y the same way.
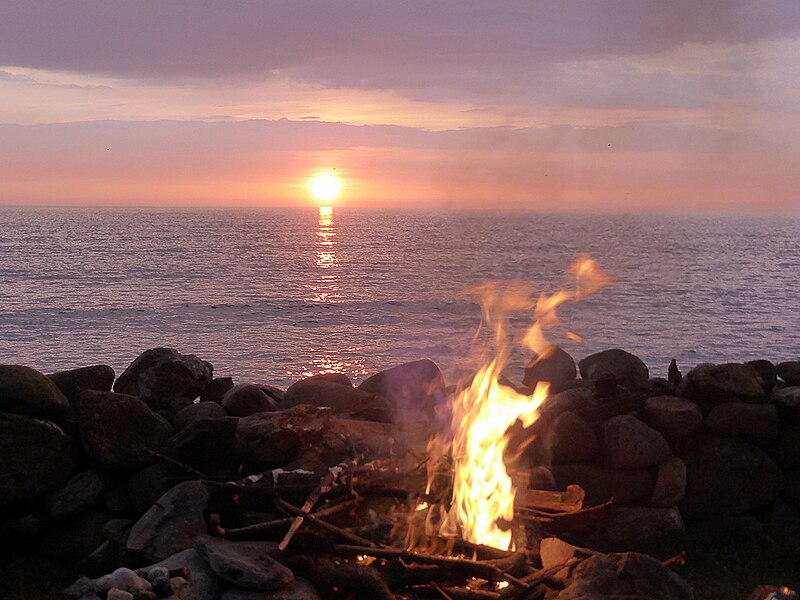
x: 787, y: 402
x: 670, y: 485
x: 757, y: 423
x: 789, y: 371
x: 197, y: 412
x: 247, y: 399
x: 626, y: 368
x: 675, y: 418
x: 556, y: 368
x: 628, y: 443
x: 568, y: 439
x: 26, y: 391
x: 709, y: 385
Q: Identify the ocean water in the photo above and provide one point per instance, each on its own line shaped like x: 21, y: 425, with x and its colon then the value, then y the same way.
x: 275, y: 294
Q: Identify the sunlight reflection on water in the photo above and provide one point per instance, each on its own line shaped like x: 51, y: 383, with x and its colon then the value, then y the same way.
x: 325, y: 287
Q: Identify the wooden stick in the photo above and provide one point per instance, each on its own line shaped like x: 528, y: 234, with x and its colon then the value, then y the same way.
x: 444, y: 594
x: 242, y: 532
x: 675, y: 561
x: 309, y: 504
x: 344, y: 534
x: 488, y: 569
x: 534, y: 579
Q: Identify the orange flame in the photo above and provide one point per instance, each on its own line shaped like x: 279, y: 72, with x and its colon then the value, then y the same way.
x: 483, y: 493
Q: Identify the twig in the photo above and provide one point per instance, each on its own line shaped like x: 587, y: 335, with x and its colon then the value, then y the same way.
x: 310, y: 502
x: 344, y: 534
x: 179, y: 464
x: 675, y: 561
x: 243, y: 532
x: 534, y: 579
x: 444, y: 594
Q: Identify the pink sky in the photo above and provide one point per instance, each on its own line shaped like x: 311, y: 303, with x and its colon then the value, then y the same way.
x: 553, y: 105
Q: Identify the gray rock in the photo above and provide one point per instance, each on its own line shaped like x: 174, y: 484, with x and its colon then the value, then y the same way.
x: 171, y: 524
x: 568, y: 439
x: 557, y: 368
x: 726, y: 476
x: 197, y: 412
x: 710, y: 385
x: 215, y: 391
x: 767, y: 371
x: 260, y: 441
x: 574, y: 399
x: 146, y: 486
x: 202, y: 582
x: 627, y: 576
x: 320, y: 392
x: 629, y: 444
x: 117, y: 499
x: 206, y: 445
x: 642, y: 528
x: 414, y: 387
x: 791, y: 492
x: 783, y: 520
x: 125, y: 579
x: 675, y: 418
x: 118, y: 594
x: 670, y: 485
x: 72, y: 382
x: 757, y: 423
x: 789, y: 371
x: 247, y: 399
x: 164, y: 378
x: 37, y: 458
x: 118, y: 430
x: 601, y: 484
x: 787, y: 401
x: 80, y: 493
x: 22, y: 528
x: 785, y: 448
x: 627, y: 369
x: 299, y: 589
x: 246, y: 564
x: 75, y: 539
x: 26, y: 391
x: 83, y: 587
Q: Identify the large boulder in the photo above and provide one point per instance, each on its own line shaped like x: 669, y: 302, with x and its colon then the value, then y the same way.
x: 207, y: 445
x: 146, y: 486
x: 642, y: 528
x: 670, y: 486
x: 568, y: 439
x: 785, y: 448
x: 414, y: 387
x: 767, y: 372
x: 601, y: 484
x: 197, y: 412
x: 757, y: 423
x: 675, y: 418
x: 26, y: 391
x: 72, y: 382
x: 118, y: 430
x: 557, y: 368
x: 710, y: 385
x: 80, y: 493
x: 165, y: 379
x: 627, y: 576
x: 37, y: 457
x: 787, y: 401
x: 317, y: 391
x: 624, y: 367
x: 246, y: 564
x: 629, y: 444
x: 789, y: 371
x: 75, y: 539
x: 171, y: 524
x: 247, y: 399
x: 726, y: 476
x: 215, y: 391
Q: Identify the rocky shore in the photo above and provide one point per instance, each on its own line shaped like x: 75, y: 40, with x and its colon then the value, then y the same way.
x: 116, y: 473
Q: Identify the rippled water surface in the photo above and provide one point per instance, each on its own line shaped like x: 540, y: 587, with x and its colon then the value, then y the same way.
x: 268, y: 295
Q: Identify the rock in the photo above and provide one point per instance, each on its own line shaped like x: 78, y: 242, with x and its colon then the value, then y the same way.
x: 629, y: 444
x: 172, y: 523
x: 627, y: 576
x: 26, y: 391
x: 321, y: 392
x: 37, y: 458
x: 299, y: 589
x: 206, y: 445
x: 675, y: 418
x: 626, y: 368
x: 163, y: 377
x: 642, y: 528
x: 726, y: 476
x: 710, y: 385
x: 118, y: 430
x: 557, y: 368
x: 554, y: 552
x: 541, y: 478
x: 789, y: 371
x: 247, y: 399
x: 117, y: 499
x: 574, y: 399
x: 125, y: 579
x: 785, y: 448
x: 201, y: 584
x: 757, y: 423
x: 83, y: 587
x: 72, y: 382
x: 767, y: 372
x: 76, y: 539
x: 80, y: 493
x: 22, y: 528
x: 670, y: 485
x: 197, y: 412
x: 783, y: 521
x: 146, y: 486
x: 215, y: 391
x: 568, y: 439
x: 118, y: 594
x: 787, y: 402
x: 674, y: 376
x: 772, y: 592
x: 245, y: 564
x: 791, y: 492
x: 603, y: 484
x: 259, y: 439
x: 414, y: 387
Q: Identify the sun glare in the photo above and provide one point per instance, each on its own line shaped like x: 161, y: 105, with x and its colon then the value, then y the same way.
x: 326, y: 186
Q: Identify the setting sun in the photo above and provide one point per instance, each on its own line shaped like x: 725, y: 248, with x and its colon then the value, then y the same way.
x: 326, y: 186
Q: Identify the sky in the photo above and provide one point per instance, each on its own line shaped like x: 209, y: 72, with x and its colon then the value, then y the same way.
x: 577, y: 105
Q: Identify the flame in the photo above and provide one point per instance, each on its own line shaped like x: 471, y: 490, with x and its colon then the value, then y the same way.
x: 481, y: 414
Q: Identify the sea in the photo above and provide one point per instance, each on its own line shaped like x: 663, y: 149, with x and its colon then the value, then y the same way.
x: 274, y: 295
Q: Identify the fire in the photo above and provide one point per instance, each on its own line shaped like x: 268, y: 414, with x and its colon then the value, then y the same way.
x: 483, y: 494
